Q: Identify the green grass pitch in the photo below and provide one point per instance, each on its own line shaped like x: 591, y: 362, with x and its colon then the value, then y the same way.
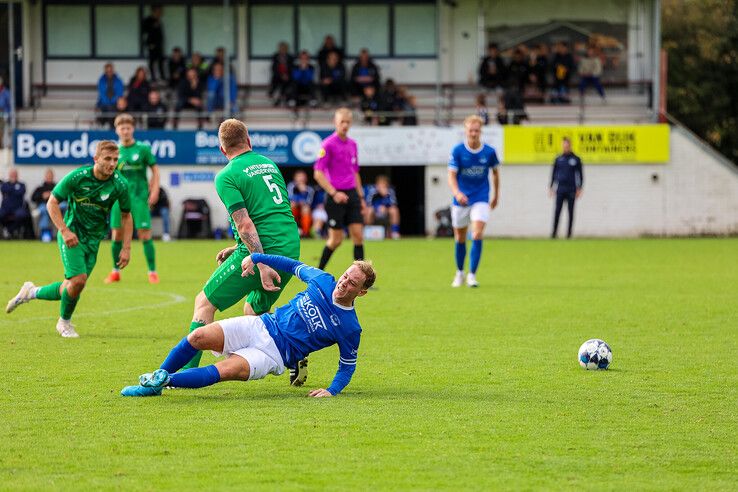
x: 454, y: 389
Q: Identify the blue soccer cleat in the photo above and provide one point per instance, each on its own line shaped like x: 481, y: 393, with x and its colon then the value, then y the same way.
x: 157, y: 379
x: 140, y: 391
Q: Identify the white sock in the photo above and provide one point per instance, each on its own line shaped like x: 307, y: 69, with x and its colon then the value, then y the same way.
x: 32, y: 293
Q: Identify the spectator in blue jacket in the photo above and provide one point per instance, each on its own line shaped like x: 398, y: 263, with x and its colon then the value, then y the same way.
x: 303, y: 82
x: 215, y: 89
x: 4, y: 109
x: 109, y: 89
x: 13, y: 209
x: 566, y: 184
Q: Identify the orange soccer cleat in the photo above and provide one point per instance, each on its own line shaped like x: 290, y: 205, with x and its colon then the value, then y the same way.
x: 113, y: 276
x: 153, y: 278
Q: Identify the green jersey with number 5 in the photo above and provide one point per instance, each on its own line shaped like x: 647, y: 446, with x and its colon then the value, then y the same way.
x: 253, y: 182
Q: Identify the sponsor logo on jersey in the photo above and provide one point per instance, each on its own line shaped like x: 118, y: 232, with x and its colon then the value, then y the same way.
x: 309, y: 312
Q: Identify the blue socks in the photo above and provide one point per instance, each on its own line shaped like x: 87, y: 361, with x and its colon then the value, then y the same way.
x: 460, y: 256
x: 198, y: 377
x: 475, y: 256
x: 180, y: 355
x: 395, y: 228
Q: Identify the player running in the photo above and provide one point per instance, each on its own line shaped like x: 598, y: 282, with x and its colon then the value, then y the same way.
x: 91, y: 192
x: 468, y: 177
x: 320, y: 316
x: 135, y: 159
x: 253, y: 191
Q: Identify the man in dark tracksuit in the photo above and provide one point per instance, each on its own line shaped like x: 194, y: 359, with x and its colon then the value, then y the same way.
x: 566, y: 182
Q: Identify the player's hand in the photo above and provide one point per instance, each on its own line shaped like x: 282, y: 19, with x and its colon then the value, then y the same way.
x: 269, y: 278
x: 340, y: 197
x: 247, y: 265
x: 579, y: 193
x: 493, y: 204
x: 224, y: 254
x: 320, y: 393
x: 153, y: 198
x: 124, y: 257
x: 70, y: 238
x: 462, y: 199
x: 551, y: 193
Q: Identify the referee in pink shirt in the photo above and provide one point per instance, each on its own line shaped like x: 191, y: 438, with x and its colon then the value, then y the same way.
x: 337, y: 172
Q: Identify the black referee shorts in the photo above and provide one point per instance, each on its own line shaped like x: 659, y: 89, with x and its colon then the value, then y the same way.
x: 342, y: 214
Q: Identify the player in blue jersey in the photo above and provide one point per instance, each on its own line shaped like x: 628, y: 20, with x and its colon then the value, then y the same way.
x: 468, y: 177
x: 318, y: 317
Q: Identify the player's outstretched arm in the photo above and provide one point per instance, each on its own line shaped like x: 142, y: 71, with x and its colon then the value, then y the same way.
x: 277, y: 262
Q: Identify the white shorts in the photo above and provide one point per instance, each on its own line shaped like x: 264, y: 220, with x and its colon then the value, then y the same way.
x: 247, y: 337
x: 476, y: 212
x: 320, y: 214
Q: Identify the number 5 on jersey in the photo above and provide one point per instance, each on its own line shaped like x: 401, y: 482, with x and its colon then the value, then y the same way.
x: 273, y: 188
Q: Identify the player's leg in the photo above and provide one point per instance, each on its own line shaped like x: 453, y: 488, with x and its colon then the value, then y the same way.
x: 557, y: 214
x: 116, y: 235
x: 570, y: 199
x: 142, y: 222
x: 460, y: 224
x: 355, y: 221
x: 479, y: 216
x: 306, y: 219
x: 336, y: 222
x: 394, y: 216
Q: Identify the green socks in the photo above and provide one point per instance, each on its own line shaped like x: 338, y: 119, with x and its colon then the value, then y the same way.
x: 49, y: 292
x: 150, y: 254
x: 117, y: 247
x: 68, y: 303
x: 195, y: 362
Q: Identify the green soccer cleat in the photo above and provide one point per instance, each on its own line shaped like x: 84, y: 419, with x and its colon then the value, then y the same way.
x: 140, y: 391
x: 157, y: 379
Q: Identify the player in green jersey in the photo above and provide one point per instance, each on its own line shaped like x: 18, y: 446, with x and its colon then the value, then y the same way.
x: 253, y: 191
x: 135, y: 159
x: 91, y: 192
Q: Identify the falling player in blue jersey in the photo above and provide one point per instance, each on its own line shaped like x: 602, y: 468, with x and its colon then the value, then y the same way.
x: 468, y: 177
x: 320, y: 316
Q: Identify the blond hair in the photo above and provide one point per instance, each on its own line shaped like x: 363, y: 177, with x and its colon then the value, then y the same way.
x: 124, y: 119
x: 473, y: 118
x: 233, y: 134
x: 370, y: 276
x: 344, y: 111
x: 105, y: 146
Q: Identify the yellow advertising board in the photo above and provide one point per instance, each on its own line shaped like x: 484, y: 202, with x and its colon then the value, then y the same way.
x: 616, y: 144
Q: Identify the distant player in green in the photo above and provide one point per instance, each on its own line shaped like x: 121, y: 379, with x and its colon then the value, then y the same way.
x: 253, y: 191
x: 91, y: 192
x: 134, y: 161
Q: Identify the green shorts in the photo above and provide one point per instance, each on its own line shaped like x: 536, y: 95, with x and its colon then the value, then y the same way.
x: 78, y: 260
x: 226, y: 286
x: 140, y: 211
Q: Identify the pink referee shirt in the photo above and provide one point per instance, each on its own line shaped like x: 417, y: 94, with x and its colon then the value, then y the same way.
x: 338, y: 160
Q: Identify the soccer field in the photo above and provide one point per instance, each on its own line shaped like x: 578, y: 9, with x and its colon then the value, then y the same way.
x: 454, y: 388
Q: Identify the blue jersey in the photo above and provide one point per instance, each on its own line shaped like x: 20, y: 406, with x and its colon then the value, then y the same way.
x: 472, y: 171
x: 312, y: 320
x: 375, y: 200
x: 301, y: 197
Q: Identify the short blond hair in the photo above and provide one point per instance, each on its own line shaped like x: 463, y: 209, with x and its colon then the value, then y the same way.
x: 105, y: 146
x: 233, y: 134
x: 473, y: 118
x: 124, y: 119
x: 370, y: 276
x: 343, y: 111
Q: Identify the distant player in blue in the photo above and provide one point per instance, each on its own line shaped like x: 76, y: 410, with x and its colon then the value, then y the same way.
x: 468, y: 177
x: 383, y: 207
x: 320, y: 316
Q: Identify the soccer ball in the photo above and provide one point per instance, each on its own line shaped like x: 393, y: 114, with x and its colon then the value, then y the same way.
x: 595, y: 354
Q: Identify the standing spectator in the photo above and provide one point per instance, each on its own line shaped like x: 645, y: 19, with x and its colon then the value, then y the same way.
x: 200, y: 65
x: 590, y: 71
x: 301, y: 200
x: 492, y: 70
x: 138, y: 91
x: 364, y: 73
x: 177, y: 67
x: 329, y: 46
x: 333, y: 79
x: 518, y: 73
x: 562, y: 65
x: 539, y: 69
x: 153, y: 35
x: 303, y: 82
x: 382, y: 206
x: 190, y: 96
x: 216, y: 90
x: 482, y: 111
x: 282, y: 63
x: 39, y: 197
x: 156, y: 111
x: 13, y: 209
x: 407, y: 106
x: 4, y: 110
x: 502, y: 116
x: 567, y: 179
x: 337, y: 172
x: 161, y: 209
x: 109, y: 89
x: 514, y: 107
x: 370, y: 106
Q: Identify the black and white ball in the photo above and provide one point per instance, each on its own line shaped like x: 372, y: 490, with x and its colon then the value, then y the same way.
x: 595, y: 354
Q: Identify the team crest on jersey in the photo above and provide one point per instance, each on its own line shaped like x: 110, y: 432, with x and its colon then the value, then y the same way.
x: 105, y: 196
x: 134, y: 157
x: 483, y: 161
x: 334, y: 320
x: 572, y: 162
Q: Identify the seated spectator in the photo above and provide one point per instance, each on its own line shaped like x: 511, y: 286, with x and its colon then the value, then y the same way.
x: 370, y: 106
x: 121, y: 106
x: 562, y: 65
x: 539, y: 69
x: 303, y: 82
x: 389, y: 103
x: 382, y: 206
x: 4, y: 109
x: 590, y: 71
x: 156, y: 111
x: 514, y: 107
x: 364, y: 73
x: 138, y: 91
x: 492, y: 70
x: 282, y: 63
x: 301, y: 200
x: 481, y: 107
x: 40, y: 197
x: 407, y: 106
x: 161, y: 209
x: 219, y: 57
x: 216, y: 90
x: 329, y: 46
x: 502, y: 117
x: 200, y: 65
x: 320, y: 216
x: 190, y: 96
x: 333, y: 79
x: 14, y: 212
x: 517, y: 73
x: 177, y: 67
x: 109, y: 89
